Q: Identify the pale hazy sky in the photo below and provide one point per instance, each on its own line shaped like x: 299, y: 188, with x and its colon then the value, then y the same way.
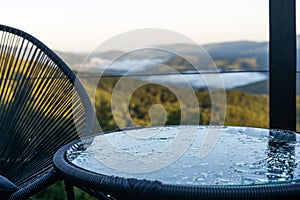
x: 83, y: 25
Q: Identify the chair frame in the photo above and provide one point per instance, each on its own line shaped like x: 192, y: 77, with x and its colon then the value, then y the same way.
x: 51, y: 176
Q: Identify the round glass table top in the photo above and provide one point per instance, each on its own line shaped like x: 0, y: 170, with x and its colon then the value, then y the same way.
x: 193, y: 155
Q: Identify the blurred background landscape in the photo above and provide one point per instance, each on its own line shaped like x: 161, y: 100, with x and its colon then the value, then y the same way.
x: 234, y: 33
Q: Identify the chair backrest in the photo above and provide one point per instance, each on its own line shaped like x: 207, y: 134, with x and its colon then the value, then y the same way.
x: 42, y: 106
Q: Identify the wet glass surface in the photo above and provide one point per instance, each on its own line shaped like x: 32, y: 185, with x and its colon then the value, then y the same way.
x: 174, y: 155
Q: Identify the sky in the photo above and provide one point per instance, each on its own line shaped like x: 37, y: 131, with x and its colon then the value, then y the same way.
x: 81, y: 26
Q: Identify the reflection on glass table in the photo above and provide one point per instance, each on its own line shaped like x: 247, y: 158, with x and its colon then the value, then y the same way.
x: 185, y: 162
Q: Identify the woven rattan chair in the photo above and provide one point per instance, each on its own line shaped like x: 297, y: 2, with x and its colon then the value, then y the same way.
x: 42, y: 107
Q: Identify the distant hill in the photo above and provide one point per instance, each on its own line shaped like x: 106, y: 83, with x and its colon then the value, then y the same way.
x: 227, y: 55
x: 225, y: 49
x: 240, y: 55
x: 237, y: 49
x: 73, y: 60
x: 261, y: 87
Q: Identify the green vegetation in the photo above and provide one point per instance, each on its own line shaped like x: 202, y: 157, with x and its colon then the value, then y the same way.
x: 242, y: 109
x: 244, y: 63
x: 57, y: 192
x: 249, y: 63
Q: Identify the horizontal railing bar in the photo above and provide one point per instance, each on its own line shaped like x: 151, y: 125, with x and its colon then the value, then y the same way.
x: 167, y: 74
x: 153, y: 74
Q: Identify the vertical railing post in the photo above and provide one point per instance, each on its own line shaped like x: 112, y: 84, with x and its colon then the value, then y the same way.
x: 282, y: 64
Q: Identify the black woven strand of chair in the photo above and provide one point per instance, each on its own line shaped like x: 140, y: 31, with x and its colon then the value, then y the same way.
x: 42, y: 107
